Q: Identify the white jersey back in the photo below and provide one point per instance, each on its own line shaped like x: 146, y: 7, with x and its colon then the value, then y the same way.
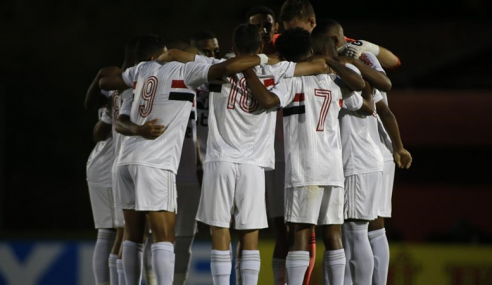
x: 313, y: 149
x: 164, y: 92
x: 98, y: 168
x: 360, y: 152
x: 118, y: 99
x: 239, y: 129
x: 386, y: 145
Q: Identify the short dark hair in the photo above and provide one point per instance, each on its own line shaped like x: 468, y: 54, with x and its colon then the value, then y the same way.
x: 296, y: 9
x: 147, y: 46
x: 294, y: 44
x: 203, y: 35
x: 246, y: 38
x: 322, y: 42
x: 263, y: 10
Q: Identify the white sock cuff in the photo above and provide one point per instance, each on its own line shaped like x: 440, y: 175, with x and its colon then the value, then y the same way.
x: 220, y: 262
x: 112, y: 260
x: 119, y: 265
x: 297, y: 258
x: 131, y: 244
x: 220, y: 256
x: 278, y: 262
x: 355, y: 226
x: 251, y: 260
x: 106, y: 234
x: 376, y: 233
x: 167, y: 246
x: 335, y: 256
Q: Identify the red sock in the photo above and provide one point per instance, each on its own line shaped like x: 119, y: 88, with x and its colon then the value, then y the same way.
x: 312, y: 258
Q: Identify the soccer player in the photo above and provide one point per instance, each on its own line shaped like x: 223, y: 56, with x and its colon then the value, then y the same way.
x: 300, y: 13
x: 100, y: 193
x: 149, y: 157
x: 206, y: 43
x: 264, y: 18
x: 314, y: 189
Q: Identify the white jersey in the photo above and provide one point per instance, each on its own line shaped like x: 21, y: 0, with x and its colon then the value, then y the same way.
x: 163, y: 91
x: 373, y: 123
x: 118, y: 99
x: 360, y: 152
x: 313, y: 149
x: 240, y: 130
x: 98, y: 168
x: 386, y: 143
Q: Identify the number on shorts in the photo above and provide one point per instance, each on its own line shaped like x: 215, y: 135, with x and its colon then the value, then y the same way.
x: 326, y: 94
x: 149, y: 89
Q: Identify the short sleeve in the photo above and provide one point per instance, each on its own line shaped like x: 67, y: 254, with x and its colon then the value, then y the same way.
x: 377, y: 96
x: 196, y: 74
x: 209, y: 60
x: 353, y: 102
x: 283, y: 90
x: 126, y: 102
x: 371, y: 60
x: 129, y: 75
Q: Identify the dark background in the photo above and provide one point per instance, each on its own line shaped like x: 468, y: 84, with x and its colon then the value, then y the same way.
x: 53, y: 49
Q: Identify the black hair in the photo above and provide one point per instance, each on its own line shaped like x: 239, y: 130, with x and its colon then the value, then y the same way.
x: 263, y: 10
x: 203, y: 35
x: 296, y: 9
x: 177, y: 44
x: 323, y: 44
x: 149, y: 45
x: 294, y: 44
x: 246, y: 39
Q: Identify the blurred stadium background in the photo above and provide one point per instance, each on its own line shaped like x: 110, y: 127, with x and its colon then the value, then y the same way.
x: 441, y: 230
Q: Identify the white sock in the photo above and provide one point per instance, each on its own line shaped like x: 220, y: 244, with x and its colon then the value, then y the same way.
x: 100, y: 258
x: 278, y: 267
x: 163, y: 262
x: 250, y: 266
x: 121, y: 272
x: 149, y: 275
x: 237, y: 268
x: 296, y: 265
x: 380, y: 249
x: 113, y: 272
x: 334, y: 267
x: 182, y: 249
x: 221, y: 266
x: 361, y: 259
x: 132, y: 261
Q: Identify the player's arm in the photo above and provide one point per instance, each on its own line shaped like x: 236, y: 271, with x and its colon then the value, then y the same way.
x: 385, y: 56
x: 235, y: 65
x: 177, y: 55
x: 101, y: 131
x: 149, y: 130
x: 367, y: 100
x: 93, y: 96
x: 265, y: 98
x: 351, y: 78
x: 378, y: 79
x: 403, y: 158
x: 113, y: 81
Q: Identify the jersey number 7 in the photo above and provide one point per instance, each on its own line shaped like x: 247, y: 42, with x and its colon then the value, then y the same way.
x: 326, y: 94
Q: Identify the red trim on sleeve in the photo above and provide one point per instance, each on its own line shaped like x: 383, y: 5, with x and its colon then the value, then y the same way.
x: 178, y: 84
x: 299, y: 97
x: 268, y: 82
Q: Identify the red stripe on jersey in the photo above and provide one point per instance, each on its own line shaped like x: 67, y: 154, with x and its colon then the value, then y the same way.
x: 340, y: 103
x: 299, y: 97
x: 268, y: 82
x: 134, y: 84
x: 178, y: 84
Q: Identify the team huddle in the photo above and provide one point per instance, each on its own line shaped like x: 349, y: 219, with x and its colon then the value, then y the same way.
x: 292, y: 127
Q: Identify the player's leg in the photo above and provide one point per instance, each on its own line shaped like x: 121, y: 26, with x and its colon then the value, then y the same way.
x: 312, y: 256
x: 133, y: 245
x: 102, y: 203
x: 163, y: 257
x: 186, y: 227
x: 250, y: 216
x: 148, y: 272
x: 215, y: 208
x: 113, y: 257
x: 302, y: 208
x: 274, y: 188
x: 360, y: 201
x: 331, y: 219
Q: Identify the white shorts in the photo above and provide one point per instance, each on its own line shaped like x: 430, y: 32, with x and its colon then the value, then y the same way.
x: 144, y: 188
x: 274, y: 187
x: 102, y: 202
x: 316, y: 205
x: 233, y: 190
x: 188, y: 199
x: 386, y: 189
x: 361, y: 195
x: 119, y: 220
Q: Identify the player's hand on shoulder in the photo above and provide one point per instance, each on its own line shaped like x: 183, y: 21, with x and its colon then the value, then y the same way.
x: 150, y: 130
x: 108, y: 71
x: 403, y: 158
